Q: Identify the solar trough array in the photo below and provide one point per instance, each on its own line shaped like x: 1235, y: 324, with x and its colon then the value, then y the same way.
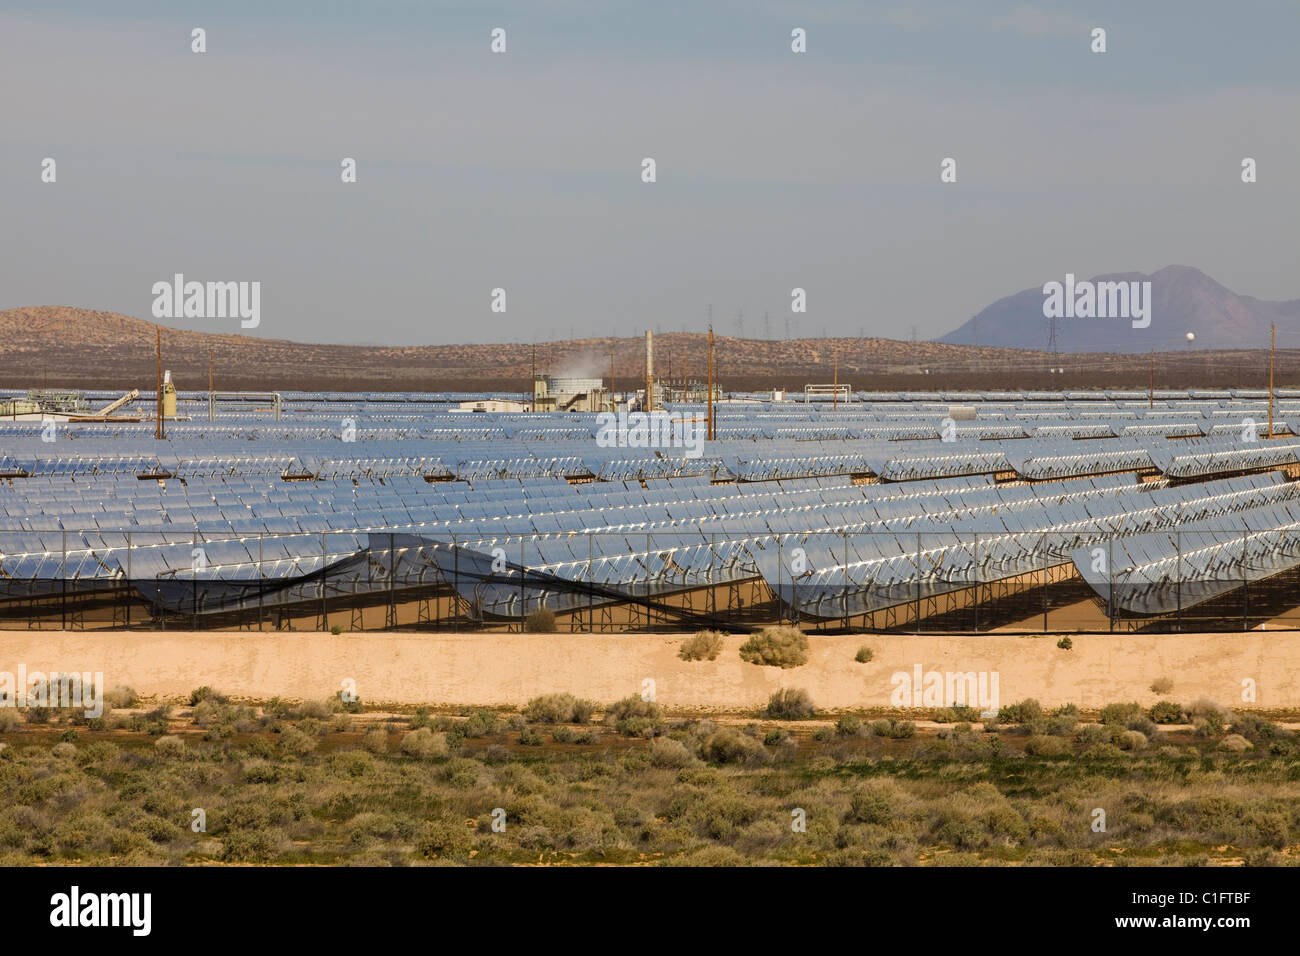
x: 833, y: 512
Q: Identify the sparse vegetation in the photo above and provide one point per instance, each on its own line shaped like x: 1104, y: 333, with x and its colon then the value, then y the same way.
x: 558, y: 709
x: 296, y: 786
x: 1162, y: 685
x: 865, y: 655
x: 540, y: 621
x: 704, y: 646
x: 776, y: 647
x: 789, y: 703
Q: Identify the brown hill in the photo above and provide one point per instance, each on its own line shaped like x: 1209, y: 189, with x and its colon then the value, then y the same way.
x: 80, y: 348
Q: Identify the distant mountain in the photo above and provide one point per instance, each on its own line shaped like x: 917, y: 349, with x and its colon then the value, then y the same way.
x: 60, y: 345
x: 1183, y: 300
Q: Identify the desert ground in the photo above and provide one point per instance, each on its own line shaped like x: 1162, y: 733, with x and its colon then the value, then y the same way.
x: 510, y: 669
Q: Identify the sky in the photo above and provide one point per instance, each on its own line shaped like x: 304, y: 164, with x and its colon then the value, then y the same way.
x: 522, y: 170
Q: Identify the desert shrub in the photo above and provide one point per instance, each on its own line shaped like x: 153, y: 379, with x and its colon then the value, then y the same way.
x: 1133, y: 740
x: 704, y: 646
x: 865, y: 655
x: 424, y: 744
x: 336, y: 629
x: 790, y: 703
x: 1120, y: 713
x: 1162, y: 685
x: 120, y: 698
x: 1256, y: 728
x: 1165, y: 712
x: 850, y: 725
x: 776, y: 647
x: 199, y: 694
x: 669, y: 753
x: 296, y: 743
x: 169, y: 746
x: 894, y: 729
x: 634, y: 717
x: 1065, y: 644
x: 1090, y: 735
x: 375, y: 740
x: 9, y: 720
x: 1235, y: 743
x: 871, y: 804
x: 1106, y: 751
x: 444, y: 838
x: 248, y: 846
x: 540, y: 621
x: 482, y: 723
x: 729, y: 745
x: 1045, y: 746
x: 1023, y: 712
x: 1209, y: 724
x: 558, y: 709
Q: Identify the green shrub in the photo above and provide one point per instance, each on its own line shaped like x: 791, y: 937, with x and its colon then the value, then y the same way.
x: 296, y: 743
x: 1023, y: 712
x: 790, y: 703
x: 669, y: 753
x: 871, y: 804
x: 704, y: 646
x: 850, y: 725
x: 1044, y: 746
x: 558, y: 709
x: 336, y: 629
x: 1165, y: 712
x: 865, y: 655
x: 424, y: 744
x: 375, y: 740
x: 776, y: 647
x: 530, y: 738
x: 1120, y: 713
x: 540, y: 621
x: 729, y: 745
x: 200, y: 694
x: 444, y: 838
x: 634, y: 717
x: 169, y: 746
x: 1065, y: 644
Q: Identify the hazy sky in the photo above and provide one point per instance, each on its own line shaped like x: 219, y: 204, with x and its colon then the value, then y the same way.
x: 522, y: 170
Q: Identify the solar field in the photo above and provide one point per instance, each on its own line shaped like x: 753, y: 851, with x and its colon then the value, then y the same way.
x: 1048, y: 511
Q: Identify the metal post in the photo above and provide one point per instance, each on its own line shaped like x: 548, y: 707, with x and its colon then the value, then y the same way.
x: 324, y: 560
x: 918, y: 583
x: 261, y: 577
x: 523, y: 596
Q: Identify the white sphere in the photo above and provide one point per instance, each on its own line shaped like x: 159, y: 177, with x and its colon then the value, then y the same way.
x: 1191, y: 336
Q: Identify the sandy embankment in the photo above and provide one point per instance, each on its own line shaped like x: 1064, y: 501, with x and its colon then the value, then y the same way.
x: 509, y: 669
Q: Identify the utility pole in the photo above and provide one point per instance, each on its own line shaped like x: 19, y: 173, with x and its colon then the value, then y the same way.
x: 1151, y: 382
x: 710, y: 409
x: 211, y: 393
x: 611, y: 379
x: 532, y: 382
x: 1272, y: 347
x: 835, y: 386
x: 158, y: 425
